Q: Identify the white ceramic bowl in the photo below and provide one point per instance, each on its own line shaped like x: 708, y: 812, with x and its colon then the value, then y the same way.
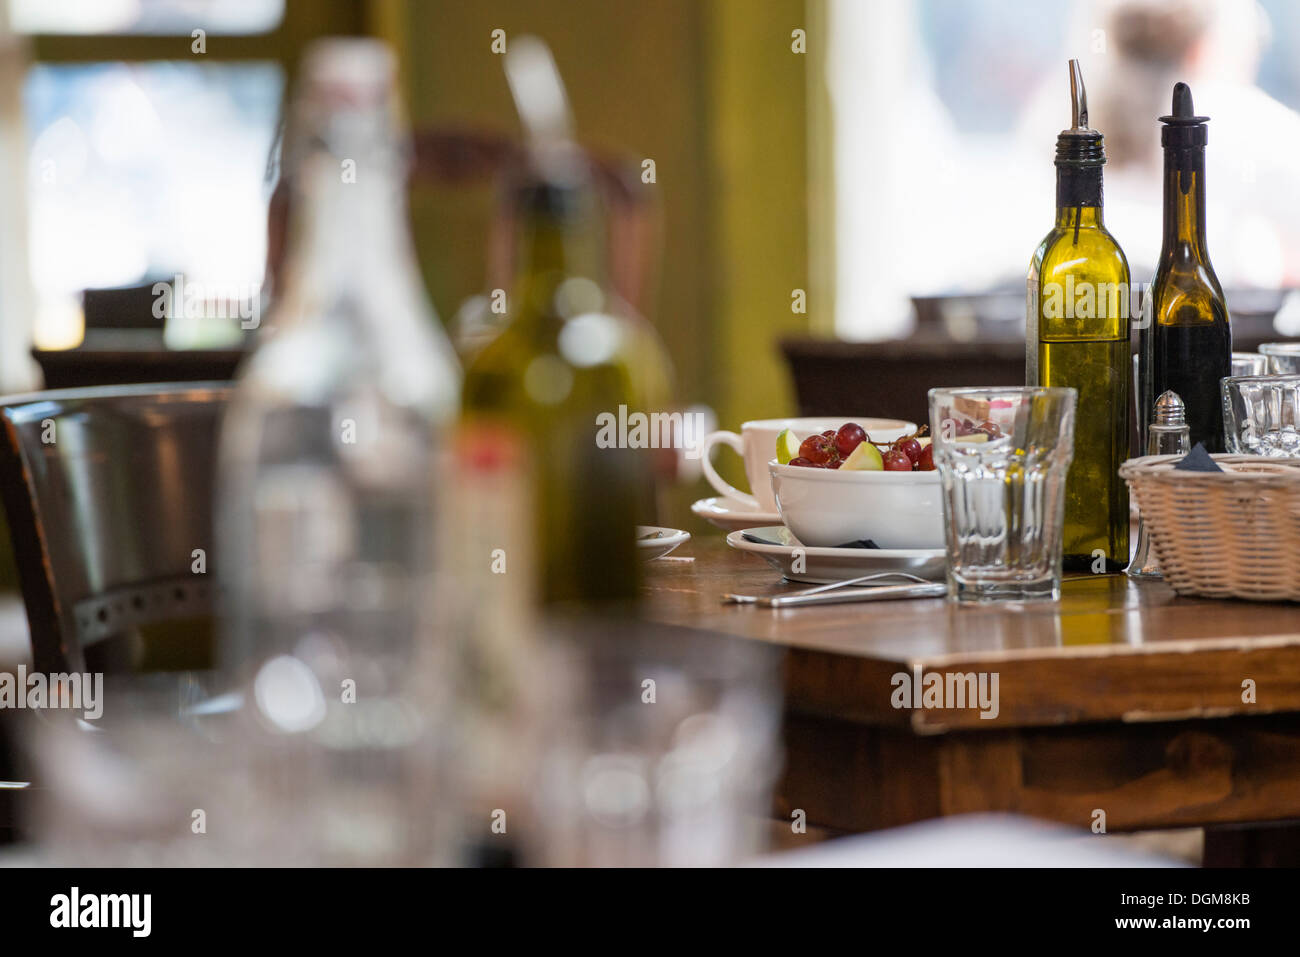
x: 828, y: 507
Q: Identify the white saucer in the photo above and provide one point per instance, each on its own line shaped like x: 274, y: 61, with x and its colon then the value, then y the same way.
x: 729, y: 515
x: 654, y: 542
x: 824, y: 565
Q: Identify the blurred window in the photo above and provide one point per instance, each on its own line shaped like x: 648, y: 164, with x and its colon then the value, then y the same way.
x: 945, y: 115
x: 158, y: 17
x: 142, y: 171
x: 148, y: 158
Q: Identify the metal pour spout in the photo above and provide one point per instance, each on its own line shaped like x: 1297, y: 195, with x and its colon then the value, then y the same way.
x: 1078, y: 98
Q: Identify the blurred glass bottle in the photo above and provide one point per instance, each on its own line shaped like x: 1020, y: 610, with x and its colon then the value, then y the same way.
x: 565, y: 360
x: 327, y: 473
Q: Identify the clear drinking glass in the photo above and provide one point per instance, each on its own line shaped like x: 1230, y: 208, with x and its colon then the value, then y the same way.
x: 1002, y: 456
x: 149, y: 782
x: 1250, y: 363
x: 663, y: 750
x: 1260, y: 415
x: 1283, y: 358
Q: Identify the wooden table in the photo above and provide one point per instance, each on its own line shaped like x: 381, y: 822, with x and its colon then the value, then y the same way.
x: 1121, y: 698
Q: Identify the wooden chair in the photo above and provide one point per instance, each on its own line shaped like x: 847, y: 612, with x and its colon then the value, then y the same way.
x: 109, y: 498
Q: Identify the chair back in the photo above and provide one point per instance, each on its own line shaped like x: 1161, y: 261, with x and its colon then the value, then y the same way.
x: 109, y: 497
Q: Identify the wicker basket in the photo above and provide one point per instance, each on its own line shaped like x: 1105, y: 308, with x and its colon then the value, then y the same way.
x: 1230, y: 534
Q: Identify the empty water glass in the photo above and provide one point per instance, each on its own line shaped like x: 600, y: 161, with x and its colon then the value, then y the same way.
x: 1002, y: 456
x: 1259, y: 415
x: 1283, y: 358
x: 1250, y: 363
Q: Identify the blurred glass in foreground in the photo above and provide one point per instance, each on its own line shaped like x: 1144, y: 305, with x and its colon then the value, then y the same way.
x: 154, y: 781
x: 664, y: 752
x: 328, y: 482
x: 649, y: 747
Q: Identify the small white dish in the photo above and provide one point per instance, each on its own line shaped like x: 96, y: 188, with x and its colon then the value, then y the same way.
x: 828, y: 507
x: 654, y: 542
x: 730, y: 515
x: 820, y: 566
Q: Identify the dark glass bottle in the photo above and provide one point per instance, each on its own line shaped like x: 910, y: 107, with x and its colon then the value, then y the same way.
x: 1187, y: 347
x: 1077, y: 335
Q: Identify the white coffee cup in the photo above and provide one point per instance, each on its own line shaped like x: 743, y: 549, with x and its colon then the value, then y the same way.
x: 756, y: 444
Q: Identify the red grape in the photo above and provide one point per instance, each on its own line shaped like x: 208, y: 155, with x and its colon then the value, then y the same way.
x: 896, y: 460
x: 925, y: 462
x: 816, y: 449
x: 821, y: 450
x: 989, y: 427
x: 849, y: 437
x: 910, y: 447
x: 829, y: 433
x: 806, y: 463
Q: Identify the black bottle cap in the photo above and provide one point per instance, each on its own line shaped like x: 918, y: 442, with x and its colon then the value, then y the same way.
x: 554, y: 201
x: 1183, y: 128
x: 554, y: 182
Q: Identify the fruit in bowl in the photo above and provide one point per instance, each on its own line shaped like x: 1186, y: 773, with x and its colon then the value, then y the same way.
x: 843, y: 488
x: 850, y: 447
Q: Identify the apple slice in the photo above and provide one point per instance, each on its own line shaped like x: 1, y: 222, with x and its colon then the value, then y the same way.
x: 787, y: 447
x: 865, y: 458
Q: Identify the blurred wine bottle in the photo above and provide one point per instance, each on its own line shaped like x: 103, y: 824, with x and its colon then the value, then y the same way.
x: 566, y: 359
x: 327, y: 476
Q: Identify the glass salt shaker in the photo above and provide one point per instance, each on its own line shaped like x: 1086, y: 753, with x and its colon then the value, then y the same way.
x: 1166, y: 435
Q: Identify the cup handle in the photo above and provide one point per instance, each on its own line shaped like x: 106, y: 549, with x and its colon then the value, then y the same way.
x: 723, y: 487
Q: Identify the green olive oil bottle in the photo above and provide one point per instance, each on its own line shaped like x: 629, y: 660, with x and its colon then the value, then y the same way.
x: 1077, y: 335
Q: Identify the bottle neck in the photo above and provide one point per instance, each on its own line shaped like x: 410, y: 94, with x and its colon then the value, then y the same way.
x: 348, y: 230
x: 1079, y: 217
x: 554, y: 246
x: 1184, y: 220
x: 1078, y: 197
